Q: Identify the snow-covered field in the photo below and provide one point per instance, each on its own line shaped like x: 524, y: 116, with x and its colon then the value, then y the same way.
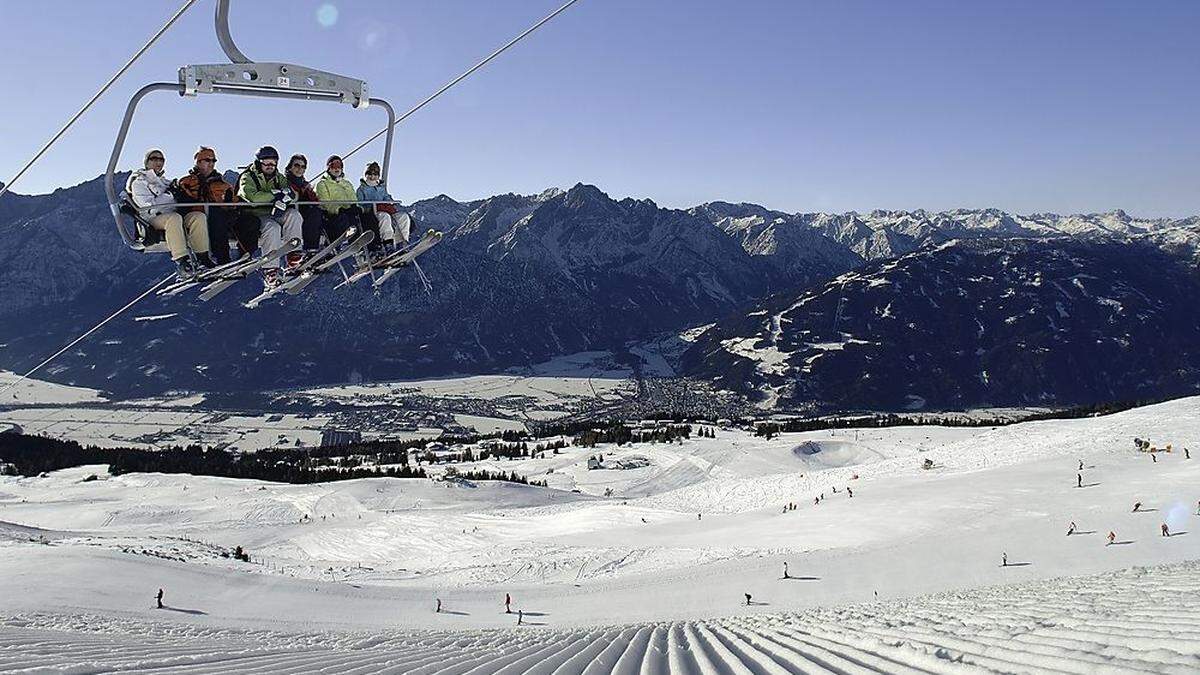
x: 39, y: 391
x: 650, y: 579
x: 149, y: 427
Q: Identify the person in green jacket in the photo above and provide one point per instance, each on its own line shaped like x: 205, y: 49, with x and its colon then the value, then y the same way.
x: 333, y: 187
x: 278, y: 221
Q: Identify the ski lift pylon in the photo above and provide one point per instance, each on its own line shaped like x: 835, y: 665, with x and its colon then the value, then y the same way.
x: 239, y: 77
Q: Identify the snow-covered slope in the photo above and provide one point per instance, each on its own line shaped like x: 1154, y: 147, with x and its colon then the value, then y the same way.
x: 664, y: 561
x: 1135, y: 620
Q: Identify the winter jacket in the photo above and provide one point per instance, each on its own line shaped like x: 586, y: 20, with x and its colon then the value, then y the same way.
x: 255, y: 187
x: 376, y: 193
x: 330, y: 189
x: 303, y: 189
x: 150, y: 192
x: 207, y: 189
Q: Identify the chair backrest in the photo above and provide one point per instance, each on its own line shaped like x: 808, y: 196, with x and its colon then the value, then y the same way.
x: 151, y: 239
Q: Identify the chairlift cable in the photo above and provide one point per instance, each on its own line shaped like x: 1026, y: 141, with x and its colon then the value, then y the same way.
x: 465, y: 75
x: 185, y: 7
x: 93, y: 329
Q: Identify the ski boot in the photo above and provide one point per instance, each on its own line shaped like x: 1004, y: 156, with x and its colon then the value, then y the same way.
x: 185, y: 269
x: 271, y: 278
x: 205, y: 260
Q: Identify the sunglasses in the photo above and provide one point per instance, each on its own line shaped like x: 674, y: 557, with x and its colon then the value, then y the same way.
x: 156, y: 158
x: 272, y: 164
x: 207, y: 160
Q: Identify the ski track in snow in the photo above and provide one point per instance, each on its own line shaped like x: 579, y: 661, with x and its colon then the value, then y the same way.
x: 1135, y: 620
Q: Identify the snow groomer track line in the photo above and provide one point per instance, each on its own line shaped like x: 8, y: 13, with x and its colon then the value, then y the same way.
x: 1135, y: 620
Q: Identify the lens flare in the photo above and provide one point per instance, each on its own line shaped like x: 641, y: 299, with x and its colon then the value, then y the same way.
x: 327, y: 15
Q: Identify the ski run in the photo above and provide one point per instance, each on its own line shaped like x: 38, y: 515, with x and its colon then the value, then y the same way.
x: 963, y: 567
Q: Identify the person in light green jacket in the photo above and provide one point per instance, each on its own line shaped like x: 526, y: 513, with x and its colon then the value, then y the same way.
x: 333, y: 187
x: 278, y: 221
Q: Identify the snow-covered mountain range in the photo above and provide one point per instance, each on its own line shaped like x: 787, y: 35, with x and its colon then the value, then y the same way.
x: 522, y: 278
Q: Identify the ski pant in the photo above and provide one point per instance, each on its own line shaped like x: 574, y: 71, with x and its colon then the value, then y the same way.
x: 224, y: 223
x: 314, y: 223
x: 371, y: 224
x: 274, y: 230
x: 336, y: 224
x: 393, y: 226
x: 181, y: 234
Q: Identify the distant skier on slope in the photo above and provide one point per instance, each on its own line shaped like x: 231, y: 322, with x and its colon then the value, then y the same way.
x: 1166, y: 531
x: 439, y: 605
x: 785, y: 571
x: 1078, y: 480
x: 159, y: 598
x: 1071, y: 529
x: 1187, y: 454
x: 1137, y: 506
x: 507, y: 603
x: 850, y: 492
x: 1081, y: 465
x: 1154, y: 457
x: 1004, y: 559
x: 1112, y: 538
x: 747, y: 599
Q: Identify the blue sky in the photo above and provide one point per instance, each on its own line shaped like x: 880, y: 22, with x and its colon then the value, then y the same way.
x: 802, y: 106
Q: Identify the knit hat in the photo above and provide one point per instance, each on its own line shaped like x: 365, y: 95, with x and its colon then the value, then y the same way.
x: 333, y: 159
x: 266, y: 152
x: 205, y: 152
x: 146, y: 157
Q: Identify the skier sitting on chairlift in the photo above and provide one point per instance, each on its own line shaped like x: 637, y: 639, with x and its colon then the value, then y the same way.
x: 393, y: 226
x: 150, y: 191
x: 278, y: 222
x: 333, y: 187
x: 203, y: 184
x: 313, y: 216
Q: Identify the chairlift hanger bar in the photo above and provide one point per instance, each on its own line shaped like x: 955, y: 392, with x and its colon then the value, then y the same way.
x: 243, y: 74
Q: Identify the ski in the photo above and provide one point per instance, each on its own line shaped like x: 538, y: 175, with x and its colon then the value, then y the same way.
x: 405, y: 255
x: 204, y: 275
x: 364, y: 268
x: 212, y: 290
x: 307, y: 276
x: 320, y: 255
x: 404, y: 258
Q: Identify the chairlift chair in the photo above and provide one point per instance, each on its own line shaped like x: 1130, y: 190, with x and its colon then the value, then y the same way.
x: 239, y: 77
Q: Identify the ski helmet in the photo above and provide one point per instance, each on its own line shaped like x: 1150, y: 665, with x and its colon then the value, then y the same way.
x: 266, y: 152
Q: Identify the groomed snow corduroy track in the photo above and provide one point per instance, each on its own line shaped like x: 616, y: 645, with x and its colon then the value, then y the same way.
x: 1135, y: 620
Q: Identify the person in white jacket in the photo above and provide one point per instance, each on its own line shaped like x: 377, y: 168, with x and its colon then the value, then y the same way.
x: 151, y: 193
